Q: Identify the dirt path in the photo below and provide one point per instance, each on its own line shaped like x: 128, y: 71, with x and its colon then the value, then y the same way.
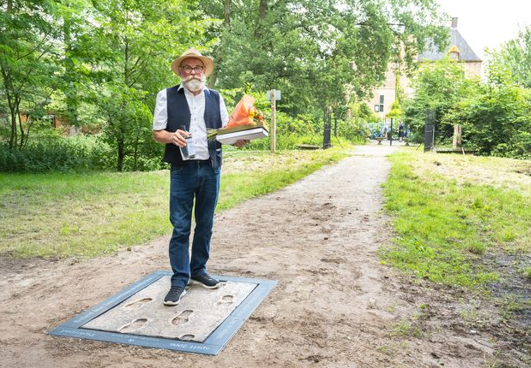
x: 335, y: 305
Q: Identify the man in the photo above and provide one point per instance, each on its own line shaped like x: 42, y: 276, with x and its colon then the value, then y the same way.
x: 183, y: 111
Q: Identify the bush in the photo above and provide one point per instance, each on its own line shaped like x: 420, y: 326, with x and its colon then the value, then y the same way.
x: 354, y: 130
x: 144, y: 163
x: 304, y: 129
x: 58, y: 154
x: 519, y: 146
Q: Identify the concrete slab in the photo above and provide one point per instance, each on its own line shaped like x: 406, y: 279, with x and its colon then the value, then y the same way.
x: 198, y: 314
x: 137, y: 302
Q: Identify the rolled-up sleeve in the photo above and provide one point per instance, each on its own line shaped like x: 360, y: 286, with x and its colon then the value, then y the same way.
x: 160, y: 117
x: 223, y: 112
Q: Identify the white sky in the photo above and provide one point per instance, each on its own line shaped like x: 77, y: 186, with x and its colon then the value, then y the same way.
x: 488, y: 23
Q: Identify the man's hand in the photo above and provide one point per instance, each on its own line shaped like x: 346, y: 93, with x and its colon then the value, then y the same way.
x: 240, y: 143
x: 178, y: 138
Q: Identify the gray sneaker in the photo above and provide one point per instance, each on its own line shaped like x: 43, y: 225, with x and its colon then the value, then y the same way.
x: 205, y: 281
x: 174, y: 295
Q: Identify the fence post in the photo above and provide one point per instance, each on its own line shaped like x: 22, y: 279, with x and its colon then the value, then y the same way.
x: 429, y: 131
x: 273, y: 135
x: 327, y: 128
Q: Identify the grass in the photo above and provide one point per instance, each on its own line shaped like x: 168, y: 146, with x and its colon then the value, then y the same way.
x: 405, y: 328
x: 87, y: 215
x: 527, y: 273
x: 449, y: 211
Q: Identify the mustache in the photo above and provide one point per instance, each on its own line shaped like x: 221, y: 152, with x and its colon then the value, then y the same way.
x: 192, y: 77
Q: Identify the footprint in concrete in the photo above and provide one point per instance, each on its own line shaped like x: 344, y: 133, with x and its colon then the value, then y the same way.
x: 187, y: 337
x: 135, y: 325
x: 137, y: 304
x: 226, y: 299
x: 183, y: 317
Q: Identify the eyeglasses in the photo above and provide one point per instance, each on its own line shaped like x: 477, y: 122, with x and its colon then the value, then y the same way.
x: 188, y: 69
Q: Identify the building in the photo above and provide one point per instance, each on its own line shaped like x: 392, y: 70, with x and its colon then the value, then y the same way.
x: 385, y: 95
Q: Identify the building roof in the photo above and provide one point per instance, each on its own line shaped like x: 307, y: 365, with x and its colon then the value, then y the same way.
x: 465, y: 52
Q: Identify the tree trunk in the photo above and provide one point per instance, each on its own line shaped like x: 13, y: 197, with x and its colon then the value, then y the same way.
x: 219, y: 55
x: 121, y: 154
x: 120, y: 139
x: 23, y: 137
x: 135, y: 152
x: 226, y: 13
x: 71, y: 89
x: 9, y: 100
x: 262, y: 10
x: 13, y: 138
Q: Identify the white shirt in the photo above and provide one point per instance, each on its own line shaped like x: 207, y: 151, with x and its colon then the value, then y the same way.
x: 197, y: 118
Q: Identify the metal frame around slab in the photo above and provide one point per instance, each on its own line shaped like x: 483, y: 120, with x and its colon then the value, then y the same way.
x: 211, y: 346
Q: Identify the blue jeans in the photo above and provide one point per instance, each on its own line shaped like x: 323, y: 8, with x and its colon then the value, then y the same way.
x: 194, y: 180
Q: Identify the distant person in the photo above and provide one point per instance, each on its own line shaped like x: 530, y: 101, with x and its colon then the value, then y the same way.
x: 183, y: 111
x: 401, y: 132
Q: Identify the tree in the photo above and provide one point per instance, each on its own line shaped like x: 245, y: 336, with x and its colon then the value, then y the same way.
x: 496, y: 118
x: 129, y: 52
x: 28, y: 64
x: 516, y: 55
x: 439, y: 86
x: 317, y: 52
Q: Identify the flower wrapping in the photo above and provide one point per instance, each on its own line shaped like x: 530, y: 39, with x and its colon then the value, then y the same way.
x: 244, y: 115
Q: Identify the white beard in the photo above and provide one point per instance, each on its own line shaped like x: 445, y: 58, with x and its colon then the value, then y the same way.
x: 194, y: 85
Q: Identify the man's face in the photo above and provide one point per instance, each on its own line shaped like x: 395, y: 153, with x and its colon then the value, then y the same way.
x: 192, y: 73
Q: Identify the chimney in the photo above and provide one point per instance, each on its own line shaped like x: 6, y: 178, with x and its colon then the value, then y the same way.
x: 454, y: 22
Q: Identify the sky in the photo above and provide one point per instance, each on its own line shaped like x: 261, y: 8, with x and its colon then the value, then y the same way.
x: 488, y: 23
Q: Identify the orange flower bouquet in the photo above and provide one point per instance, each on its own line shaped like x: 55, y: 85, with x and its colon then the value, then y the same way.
x: 245, y: 113
x: 244, y: 119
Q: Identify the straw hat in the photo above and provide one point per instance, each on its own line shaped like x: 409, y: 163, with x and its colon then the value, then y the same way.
x: 193, y: 53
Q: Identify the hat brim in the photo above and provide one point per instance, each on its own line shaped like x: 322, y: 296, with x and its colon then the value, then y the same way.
x: 207, y: 62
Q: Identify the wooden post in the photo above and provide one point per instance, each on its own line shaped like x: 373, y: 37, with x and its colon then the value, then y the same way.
x: 273, y: 128
x: 457, y: 143
x: 327, y: 128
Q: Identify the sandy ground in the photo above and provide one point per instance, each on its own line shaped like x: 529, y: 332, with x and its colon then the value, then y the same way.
x: 335, y: 304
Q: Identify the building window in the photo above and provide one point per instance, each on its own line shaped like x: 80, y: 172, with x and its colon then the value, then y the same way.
x: 381, y: 103
x: 454, y: 52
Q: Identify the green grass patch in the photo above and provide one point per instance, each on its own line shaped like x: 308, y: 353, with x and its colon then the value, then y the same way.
x: 265, y: 173
x: 527, y: 273
x: 444, y: 224
x: 87, y: 215
x: 405, y: 328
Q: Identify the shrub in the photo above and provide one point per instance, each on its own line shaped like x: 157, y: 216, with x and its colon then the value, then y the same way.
x: 58, y: 154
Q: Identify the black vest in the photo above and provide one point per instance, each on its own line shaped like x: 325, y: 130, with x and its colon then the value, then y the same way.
x: 179, y: 115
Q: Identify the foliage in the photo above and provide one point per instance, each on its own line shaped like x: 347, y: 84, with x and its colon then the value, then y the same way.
x: 516, y: 55
x: 98, y: 65
x: 497, y: 121
x: 354, y: 129
x: 131, y: 52
x: 362, y: 111
x: 28, y: 62
x: 292, y: 131
x: 396, y: 111
x: 317, y: 53
x: 496, y: 118
x: 439, y: 87
x: 57, y: 154
x: 495, y: 114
